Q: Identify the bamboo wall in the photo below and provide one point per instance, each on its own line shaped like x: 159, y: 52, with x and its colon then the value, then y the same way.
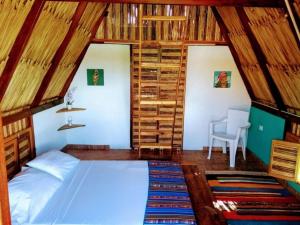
x: 48, y: 33
x: 12, y: 16
x: 282, y: 53
x: 246, y: 55
x: 122, y: 23
x: 79, y: 40
x: 168, y: 76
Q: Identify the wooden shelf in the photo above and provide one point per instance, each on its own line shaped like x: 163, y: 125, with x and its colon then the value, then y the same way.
x: 66, y: 126
x: 69, y: 110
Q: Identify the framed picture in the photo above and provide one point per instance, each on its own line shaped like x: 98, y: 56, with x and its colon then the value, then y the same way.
x: 95, y: 77
x: 222, y: 79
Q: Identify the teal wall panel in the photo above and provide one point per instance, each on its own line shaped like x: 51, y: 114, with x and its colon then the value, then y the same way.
x: 264, y: 128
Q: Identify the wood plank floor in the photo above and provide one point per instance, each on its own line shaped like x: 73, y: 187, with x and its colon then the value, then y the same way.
x: 194, y: 164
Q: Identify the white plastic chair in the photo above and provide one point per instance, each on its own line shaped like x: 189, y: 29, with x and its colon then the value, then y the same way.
x: 236, y: 132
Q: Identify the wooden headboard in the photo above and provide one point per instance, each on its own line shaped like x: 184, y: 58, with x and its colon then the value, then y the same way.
x: 18, y: 144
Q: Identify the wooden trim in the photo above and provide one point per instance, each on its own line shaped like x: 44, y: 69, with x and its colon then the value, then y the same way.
x: 59, y: 54
x: 15, y: 117
x: 261, y: 58
x: 48, y: 105
x: 4, y: 201
x: 19, y: 46
x: 250, y: 3
x: 277, y: 112
x: 82, y: 54
x: 130, y: 42
x: 225, y: 34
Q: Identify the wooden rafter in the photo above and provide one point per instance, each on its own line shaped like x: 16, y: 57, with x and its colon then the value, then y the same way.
x: 4, y: 203
x: 261, y: 58
x: 19, y: 45
x: 59, y: 54
x: 253, y: 3
x: 225, y: 33
x: 80, y: 58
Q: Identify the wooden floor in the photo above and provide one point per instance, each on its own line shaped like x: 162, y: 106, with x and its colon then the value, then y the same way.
x: 195, y: 164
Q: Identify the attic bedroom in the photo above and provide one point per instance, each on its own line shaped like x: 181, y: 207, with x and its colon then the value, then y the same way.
x: 149, y: 112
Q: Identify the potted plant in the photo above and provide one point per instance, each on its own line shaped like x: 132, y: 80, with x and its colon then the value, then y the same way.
x: 70, y: 98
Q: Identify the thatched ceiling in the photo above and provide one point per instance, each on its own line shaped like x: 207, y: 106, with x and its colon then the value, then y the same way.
x: 43, y: 42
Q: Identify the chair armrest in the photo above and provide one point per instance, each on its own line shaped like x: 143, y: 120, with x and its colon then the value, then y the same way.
x: 216, y: 122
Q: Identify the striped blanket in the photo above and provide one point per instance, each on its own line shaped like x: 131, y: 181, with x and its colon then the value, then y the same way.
x: 168, y: 198
x: 254, y: 200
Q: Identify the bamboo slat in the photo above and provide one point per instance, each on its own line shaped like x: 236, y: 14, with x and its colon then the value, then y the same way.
x: 46, y: 37
x: 12, y: 17
x: 79, y: 40
x: 123, y: 19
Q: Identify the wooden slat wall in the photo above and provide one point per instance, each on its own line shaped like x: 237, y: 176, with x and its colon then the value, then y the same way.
x: 151, y: 54
x: 246, y: 55
x: 47, y: 35
x: 12, y: 17
x: 77, y: 43
x: 282, y: 53
x: 122, y: 23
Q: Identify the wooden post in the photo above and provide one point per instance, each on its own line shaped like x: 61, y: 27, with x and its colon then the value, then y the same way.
x: 4, y: 202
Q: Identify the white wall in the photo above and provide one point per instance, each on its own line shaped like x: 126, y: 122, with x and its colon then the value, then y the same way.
x: 107, y: 117
x: 46, y: 135
x: 204, y: 103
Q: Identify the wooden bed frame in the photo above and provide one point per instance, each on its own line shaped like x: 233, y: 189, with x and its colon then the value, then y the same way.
x: 16, y: 149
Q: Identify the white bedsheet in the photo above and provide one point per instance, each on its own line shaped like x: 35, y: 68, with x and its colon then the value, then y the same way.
x: 102, y: 193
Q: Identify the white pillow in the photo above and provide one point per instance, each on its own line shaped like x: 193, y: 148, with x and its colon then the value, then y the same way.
x: 56, y: 163
x: 29, y: 192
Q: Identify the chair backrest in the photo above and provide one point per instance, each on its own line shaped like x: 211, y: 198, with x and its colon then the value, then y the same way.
x: 236, y: 119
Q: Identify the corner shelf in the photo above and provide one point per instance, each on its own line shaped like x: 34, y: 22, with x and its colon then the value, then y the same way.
x: 63, y: 110
x: 66, y: 126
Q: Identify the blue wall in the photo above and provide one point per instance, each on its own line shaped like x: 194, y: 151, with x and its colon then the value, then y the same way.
x: 265, y: 127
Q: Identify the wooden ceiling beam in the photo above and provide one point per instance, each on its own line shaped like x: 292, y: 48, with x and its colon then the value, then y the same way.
x: 19, y: 45
x: 250, y: 3
x: 225, y: 33
x: 59, y: 54
x: 261, y: 58
x: 82, y: 54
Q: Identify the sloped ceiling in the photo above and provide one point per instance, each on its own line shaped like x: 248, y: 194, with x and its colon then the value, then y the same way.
x: 44, y: 41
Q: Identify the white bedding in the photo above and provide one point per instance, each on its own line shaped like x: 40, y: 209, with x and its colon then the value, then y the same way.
x: 100, y: 192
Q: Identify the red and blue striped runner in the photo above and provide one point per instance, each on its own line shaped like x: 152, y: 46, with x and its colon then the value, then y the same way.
x: 168, y: 198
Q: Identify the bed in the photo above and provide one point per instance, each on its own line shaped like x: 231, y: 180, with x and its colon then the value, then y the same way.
x: 107, y: 193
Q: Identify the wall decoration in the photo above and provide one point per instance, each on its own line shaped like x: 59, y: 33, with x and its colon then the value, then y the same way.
x: 222, y: 79
x: 95, y: 77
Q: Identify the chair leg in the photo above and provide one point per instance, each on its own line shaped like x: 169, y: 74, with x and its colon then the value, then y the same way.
x: 224, y: 145
x: 210, y: 147
x: 244, y: 150
x: 232, y: 153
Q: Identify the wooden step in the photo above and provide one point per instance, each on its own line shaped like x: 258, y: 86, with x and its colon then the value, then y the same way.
x: 163, y: 43
x: 158, y: 102
x: 156, y: 118
x: 164, y: 18
x: 159, y: 65
x: 156, y: 84
x: 156, y: 132
x: 155, y: 145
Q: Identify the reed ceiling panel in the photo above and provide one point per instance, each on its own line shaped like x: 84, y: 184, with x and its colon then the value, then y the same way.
x: 122, y: 23
x: 296, y: 5
x: 47, y: 35
x: 12, y: 16
x: 275, y: 37
x: 246, y: 55
x: 78, y: 42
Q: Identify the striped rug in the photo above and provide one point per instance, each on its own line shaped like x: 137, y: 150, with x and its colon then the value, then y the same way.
x: 168, y: 198
x: 253, y: 200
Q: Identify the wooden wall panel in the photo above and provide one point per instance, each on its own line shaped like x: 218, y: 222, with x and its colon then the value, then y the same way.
x: 12, y: 17
x: 152, y: 54
x: 246, y: 55
x: 282, y: 53
x: 122, y: 23
x: 47, y: 36
x: 80, y: 39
